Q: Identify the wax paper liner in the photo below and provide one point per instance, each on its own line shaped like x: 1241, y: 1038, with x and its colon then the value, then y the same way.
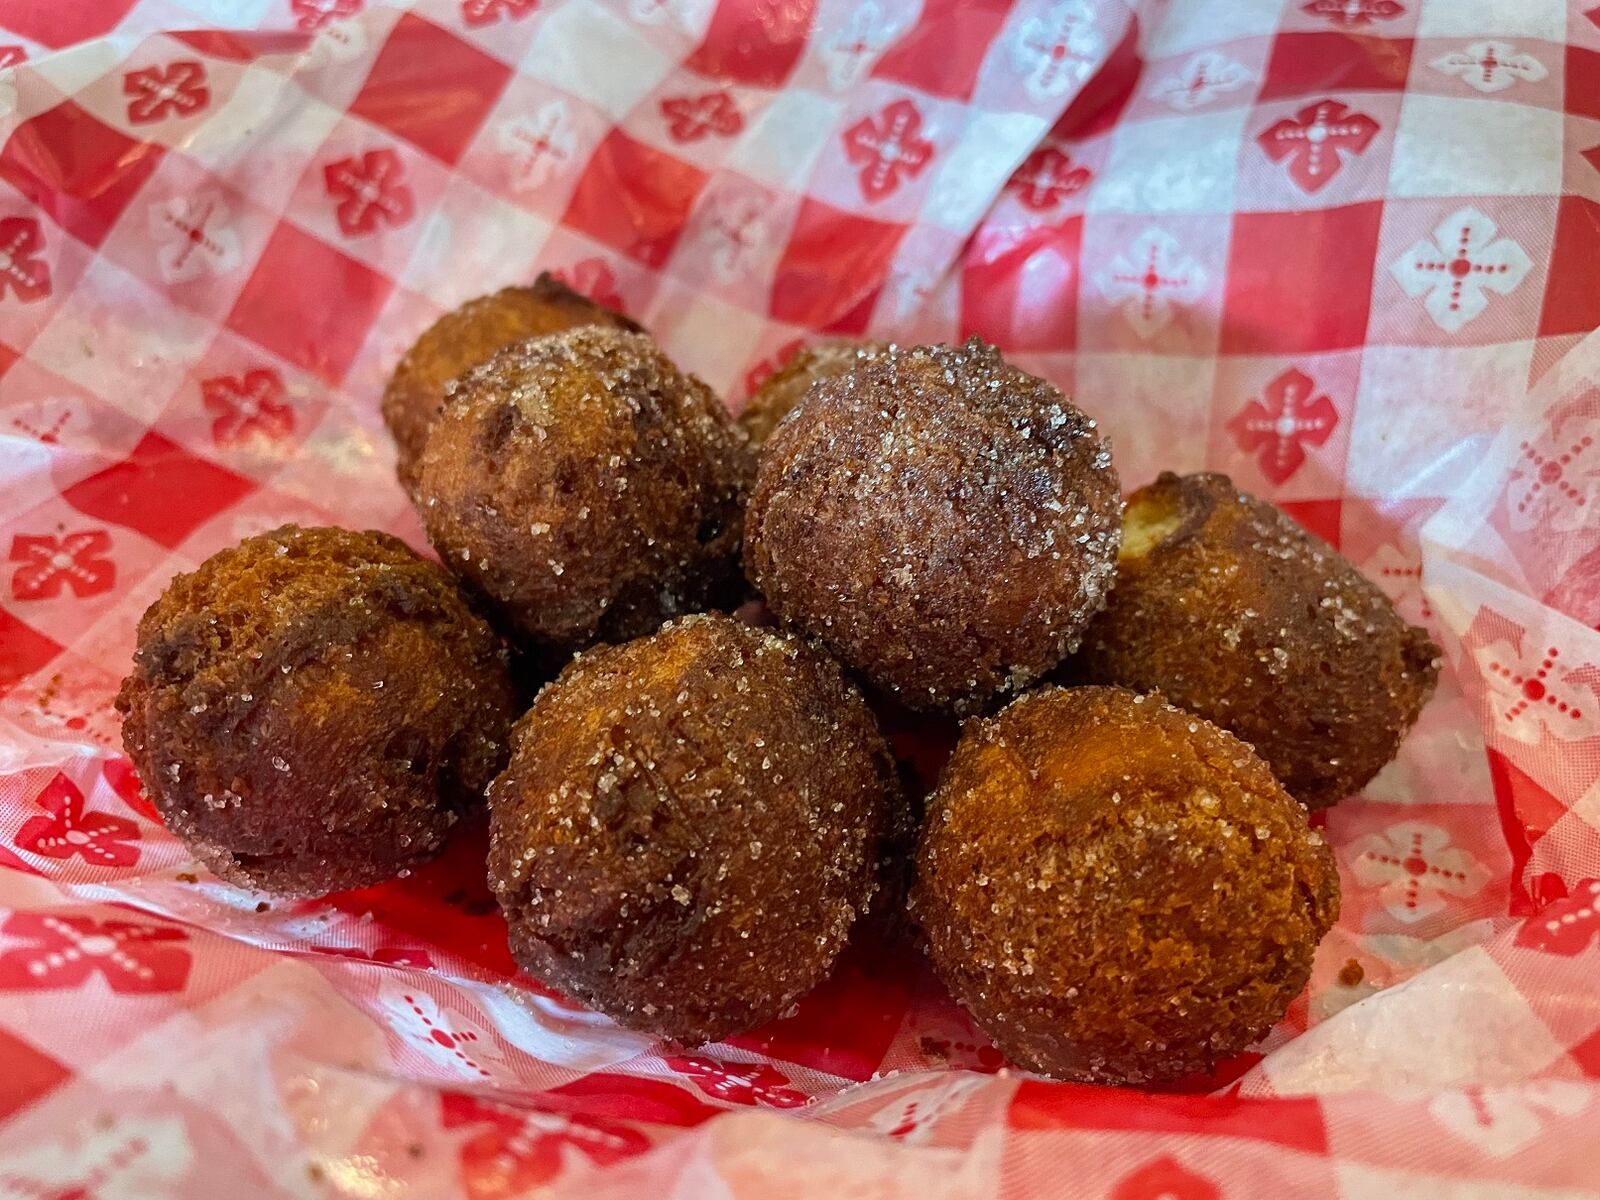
x: 1326, y: 246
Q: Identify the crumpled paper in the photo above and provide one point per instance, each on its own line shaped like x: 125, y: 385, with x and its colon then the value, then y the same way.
x: 1341, y: 249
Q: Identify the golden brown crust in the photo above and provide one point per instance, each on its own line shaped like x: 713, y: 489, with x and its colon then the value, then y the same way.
x: 689, y: 826
x: 312, y: 709
x: 1119, y: 892
x: 586, y: 487
x: 465, y: 337
x: 781, y: 390
x: 943, y: 522
x: 1237, y: 614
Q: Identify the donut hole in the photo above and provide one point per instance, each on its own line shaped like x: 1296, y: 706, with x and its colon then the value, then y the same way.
x: 1151, y: 518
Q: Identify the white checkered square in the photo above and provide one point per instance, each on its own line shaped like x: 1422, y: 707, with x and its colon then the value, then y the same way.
x: 1453, y: 147
x: 1201, y: 23
x: 586, y: 51
x: 1398, y: 445
x: 1545, y: 19
x: 781, y: 145
x: 1173, y: 165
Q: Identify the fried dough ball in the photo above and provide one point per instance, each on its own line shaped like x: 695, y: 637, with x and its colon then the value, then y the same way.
x: 312, y: 709
x: 1118, y: 891
x: 944, y: 523
x: 1236, y: 613
x: 465, y: 337
x: 782, y: 390
x: 689, y: 826
x: 586, y: 487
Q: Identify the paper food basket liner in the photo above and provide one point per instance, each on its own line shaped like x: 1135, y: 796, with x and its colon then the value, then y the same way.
x: 1344, y: 250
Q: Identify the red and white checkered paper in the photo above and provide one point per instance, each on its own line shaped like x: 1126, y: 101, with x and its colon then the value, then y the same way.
x: 1327, y: 246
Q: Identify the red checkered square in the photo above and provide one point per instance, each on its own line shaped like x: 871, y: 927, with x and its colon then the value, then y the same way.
x: 1572, y: 297
x: 1106, y: 94
x: 58, y: 23
x: 1325, y: 518
x: 1583, y: 82
x: 812, y: 1035
x: 1587, y: 1056
x: 942, y: 52
x: 1320, y: 305
x: 238, y: 47
x: 431, y: 88
x: 30, y: 1074
x: 827, y: 246
x: 1528, y: 811
x: 77, y: 169
x: 1591, y: 155
x: 1000, y: 276
x: 308, y: 303
x: 23, y: 650
x: 1335, y: 63
x: 755, y: 42
x: 1297, y: 1124
x: 634, y: 198
x: 161, y: 490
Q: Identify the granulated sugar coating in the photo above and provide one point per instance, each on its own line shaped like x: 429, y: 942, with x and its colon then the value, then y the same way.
x: 781, y: 390
x: 943, y: 522
x: 464, y: 338
x: 689, y: 826
x: 1118, y: 891
x: 587, y: 487
x: 1239, y: 615
x: 312, y: 709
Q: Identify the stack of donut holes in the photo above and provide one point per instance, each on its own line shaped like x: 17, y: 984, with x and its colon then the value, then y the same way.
x: 1115, y: 872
